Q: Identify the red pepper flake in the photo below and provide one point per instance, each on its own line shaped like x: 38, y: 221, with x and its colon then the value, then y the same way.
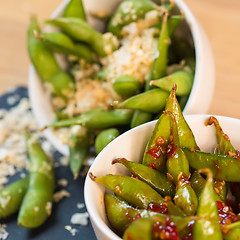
x: 152, y: 166
x: 156, y: 153
x: 136, y: 217
x: 226, y: 215
x: 189, y: 235
x: 171, y: 150
x: 167, y: 231
x: 159, y: 208
x: 133, y: 175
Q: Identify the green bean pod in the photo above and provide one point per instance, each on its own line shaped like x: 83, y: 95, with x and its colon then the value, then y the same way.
x: 36, y: 206
x: 223, y: 167
x: 207, y: 227
x: 60, y: 43
x: 140, y: 117
x: 78, y: 150
x: 129, y: 11
x: 183, y: 79
x: 46, y: 65
x: 154, y: 154
x: 120, y: 214
x: 152, y: 101
x: 97, y: 119
x: 81, y: 31
x: 154, y: 178
x: 140, y: 229
x: 104, y: 138
x: 75, y: 9
x: 186, y: 136
x: 11, y: 197
x: 135, y: 192
x: 126, y: 86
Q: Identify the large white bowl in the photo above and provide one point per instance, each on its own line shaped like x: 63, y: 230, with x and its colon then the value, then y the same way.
x: 202, y: 89
x: 131, y: 145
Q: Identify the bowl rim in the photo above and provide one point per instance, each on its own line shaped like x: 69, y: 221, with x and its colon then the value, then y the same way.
x: 93, y: 212
x: 199, y: 38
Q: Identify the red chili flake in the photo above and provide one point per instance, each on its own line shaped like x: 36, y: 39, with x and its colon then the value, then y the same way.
x: 136, y: 217
x: 226, y: 215
x: 152, y: 166
x: 189, y: 235
x: 156, y: 153
x: 133, y: 175
x: 159, y: 208
x: 171, y: 150
x: 167, y: 231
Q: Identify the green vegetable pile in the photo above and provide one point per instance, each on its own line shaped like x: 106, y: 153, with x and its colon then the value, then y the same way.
x: 140, y: 101
x: 177, y: 191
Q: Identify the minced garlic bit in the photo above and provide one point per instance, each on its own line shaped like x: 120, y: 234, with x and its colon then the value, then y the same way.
x: 80, y: 219
x: 60, y: 195
x: 13, y: 150
x: 62, y: 182
x: 80, y: 205
x: 3, y: 232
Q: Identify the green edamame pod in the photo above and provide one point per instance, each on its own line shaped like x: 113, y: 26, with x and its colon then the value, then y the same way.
x: 127, y: 12
x: 117, y: 210
x: 104, y: 138
x: 186, y: 136
x: 75, y: 9
x: 207, y: 227
x: 223, y: 167
x: 159, y: 67
x: 79, y: 30
x: 78, y: 150
x: 136, y: 192
x: 60, y: 43
x: 186, y: 199
x: 140, y: 229
x: 97, y: 118
x: 225, y: 147
x: 154, y: 154
x: 37, y: 202
x: 11, y: 197
x: 152, y: 101
x: 140, y: 117
x: 198, y: 183
x: 183, y: 79
x: 231, y: 231
x: 132, y: 190
x: 160, y: 63
x: 177, y: 162
x: 126, y: 86
x: 154, y: 178
x: 46, y: 65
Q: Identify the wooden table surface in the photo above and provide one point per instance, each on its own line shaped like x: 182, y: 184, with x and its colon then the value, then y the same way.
x: 219, y: 18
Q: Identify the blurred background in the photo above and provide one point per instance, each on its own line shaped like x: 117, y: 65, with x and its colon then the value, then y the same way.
x: 219, y: 18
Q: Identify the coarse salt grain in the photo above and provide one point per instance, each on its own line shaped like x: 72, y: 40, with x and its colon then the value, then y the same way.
x: 80, y: 219
x: 3, y: 232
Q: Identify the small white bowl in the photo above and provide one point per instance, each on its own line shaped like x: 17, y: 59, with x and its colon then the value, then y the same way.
x: 202, y: 89
x: 131, y: 145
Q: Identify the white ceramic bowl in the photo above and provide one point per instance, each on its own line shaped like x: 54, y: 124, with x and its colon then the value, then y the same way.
x: 131, y: 145
x: 203, y: 86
